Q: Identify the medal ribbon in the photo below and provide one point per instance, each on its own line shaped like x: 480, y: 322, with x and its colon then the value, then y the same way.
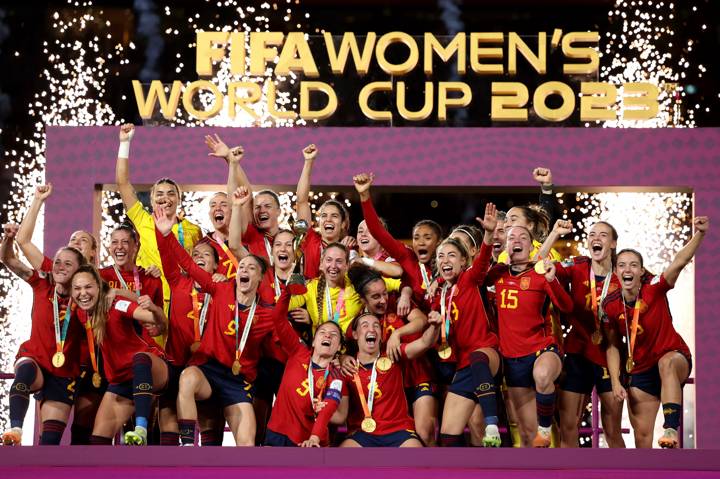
x: 632, y: 334
x: 276, y: 282
x: 60, y: 335
x: 311, y: 384
x: 597, y: 302
x: 199, y: 313
x: 136, y: 279
x: 425, y: 277
x: 339, y: 305
x: 367, y: 405
x: 446, y: 311
x: 91, y: 345
x: 239, y: 347
x: 181, y: 234
x: 227, y: 251
x: 268, y: 249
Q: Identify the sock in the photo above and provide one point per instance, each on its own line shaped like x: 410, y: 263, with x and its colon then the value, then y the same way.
x: 79, y: 435
x: 142, y: 388
x: 452, y: 440
x: 671, y: 411
x: 20, y: 392
x: 100, y: 441
x: 187, y: 431
x: 545, y: 408
x: 211, y: 437
x: 484, y: 385
x: 52, y: 432
x: 169, y: 438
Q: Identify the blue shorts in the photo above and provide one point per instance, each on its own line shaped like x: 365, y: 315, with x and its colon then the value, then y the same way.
x: 649, y: 381
x: 444, y: 371
x: 56, y: 389
x: 463, y: 384
x: 519, y: 371
x: 228, y: 388
x: 581, y: 375
x: 124, y: 389
x: 414, y: 393
x: 269, y: 376
x: 85, y: 385
x: 169, y: 397
x: 394, y: 439
x: 275, y: 439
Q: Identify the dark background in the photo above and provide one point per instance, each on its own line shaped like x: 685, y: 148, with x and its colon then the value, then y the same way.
x: 26, y: 27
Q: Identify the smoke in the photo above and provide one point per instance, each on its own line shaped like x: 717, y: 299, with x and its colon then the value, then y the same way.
x: 148, y: 27
x: 450, y: 15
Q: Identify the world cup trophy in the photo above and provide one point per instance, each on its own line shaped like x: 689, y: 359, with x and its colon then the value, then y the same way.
x: 300, y: 228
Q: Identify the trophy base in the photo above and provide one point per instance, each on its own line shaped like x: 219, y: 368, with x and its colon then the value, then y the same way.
x: 296, y: 278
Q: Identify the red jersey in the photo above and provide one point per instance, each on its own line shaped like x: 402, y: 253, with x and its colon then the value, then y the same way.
x: 405, y: 256
x: 225, y: 265
x: 520, y: 298
x: 469, y: 326
x: 576, y: 273
x: 41, y: 346
x: 182, y: 311
x: 149, y: 285
x: 271, y: 347
x: 414, y: 371
x: 121, y: 341
x: 293, y: 414
x: 312, y: 248
x: 390, y: 409
x: 257, y: 242
x: 655, y: 333
x: 219, y: 340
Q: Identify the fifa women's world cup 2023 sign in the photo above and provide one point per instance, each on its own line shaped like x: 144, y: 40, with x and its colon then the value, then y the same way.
x: 494, y: 55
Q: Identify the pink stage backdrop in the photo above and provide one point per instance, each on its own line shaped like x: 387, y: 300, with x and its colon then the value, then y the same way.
x: 79, y: 158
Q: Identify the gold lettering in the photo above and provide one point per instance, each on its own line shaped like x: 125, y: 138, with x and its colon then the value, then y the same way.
x: 348, y: 44
x: 560, y: 113
x: 296, y: 56
x: 421, y: 114
x: 190, y: 92
x: 260, y: 52
x: 156, y: 93
x: 597, y: 101
x: 508, y: 101
x: 399, y: 68
x: 444, y: 102
x: 456, y: 46
x: 365, y: 94
x: 581, y: 53
x: 477, y: 53
x: 517, y: 44
x: 306, y: 88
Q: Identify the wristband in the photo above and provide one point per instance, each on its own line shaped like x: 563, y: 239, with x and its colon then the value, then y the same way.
x: 369, y: 262
x: 124, y: 150
x: 547, y: 189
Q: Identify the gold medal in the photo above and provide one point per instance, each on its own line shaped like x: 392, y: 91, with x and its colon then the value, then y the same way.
x: 540, y: 267
x: 236, y: 367
x: 96, y: 380
x: 194, y: 346
x: 596, y: 337
x: 58, y: 359
x: 384, y: 364
x: 368, y: 424
x: 629, y: 365
x: 445, y: 351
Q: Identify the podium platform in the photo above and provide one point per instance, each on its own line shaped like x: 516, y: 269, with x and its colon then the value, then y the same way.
x: 107, y: 462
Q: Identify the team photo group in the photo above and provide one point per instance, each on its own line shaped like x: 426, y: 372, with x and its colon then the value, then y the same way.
x: 321, y: 333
